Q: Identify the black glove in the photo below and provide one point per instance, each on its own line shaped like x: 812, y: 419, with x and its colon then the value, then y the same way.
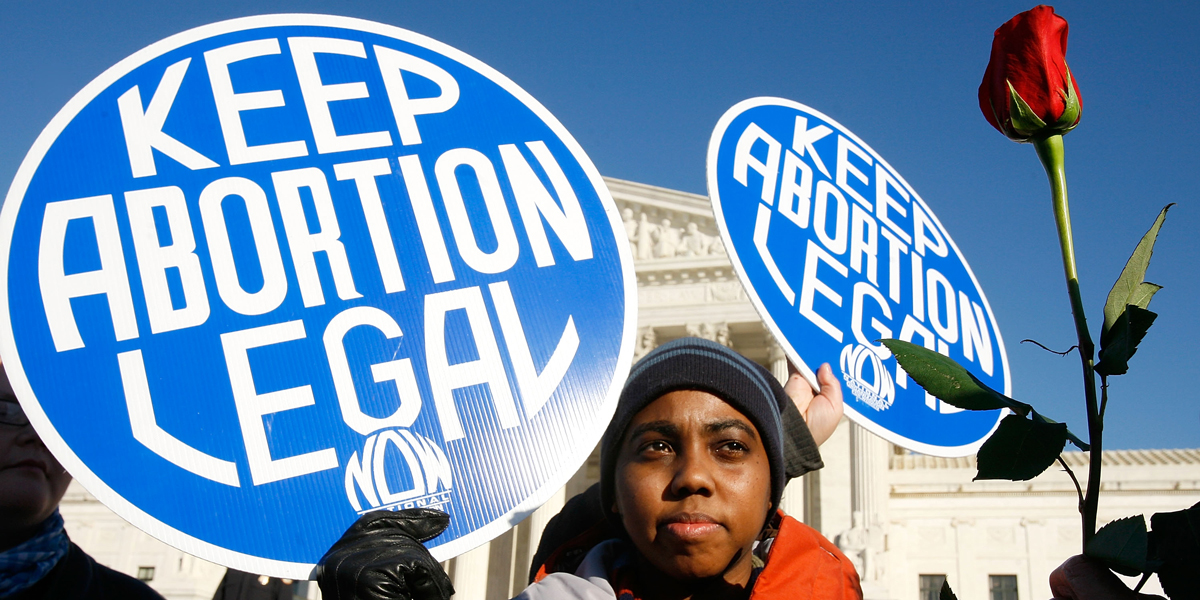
x: 381, y: 558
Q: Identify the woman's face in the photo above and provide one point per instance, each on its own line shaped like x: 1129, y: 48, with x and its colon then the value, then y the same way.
x: 693, y: 486
x: 31, y: 481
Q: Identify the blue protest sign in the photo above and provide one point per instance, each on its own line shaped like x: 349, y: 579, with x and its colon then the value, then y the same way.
x: 269, y: 274
x: 837, y: 251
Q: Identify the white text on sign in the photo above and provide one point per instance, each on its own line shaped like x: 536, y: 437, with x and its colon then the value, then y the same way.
x: 143, y: 124
x: 180, y: 243
x: 863, y: 220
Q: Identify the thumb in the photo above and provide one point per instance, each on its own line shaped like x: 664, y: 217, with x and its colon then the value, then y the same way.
x: 798, y: 389
x: 422, y: 524
x: 830, y: 385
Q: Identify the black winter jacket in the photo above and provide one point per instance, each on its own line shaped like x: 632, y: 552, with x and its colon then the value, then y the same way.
x: 78, y: 577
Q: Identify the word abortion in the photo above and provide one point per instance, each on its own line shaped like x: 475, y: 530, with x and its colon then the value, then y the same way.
x: 536, y: 208
x: 861, y: 219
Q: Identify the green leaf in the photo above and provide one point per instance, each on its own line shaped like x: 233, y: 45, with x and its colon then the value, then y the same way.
x: 1021, y: 115
x: 1175, y: 543
x: 1130, y: 286
x: 1020, y: 449
x: 1142, y: 295
x: 1121, y: 545
x: 1071, y: 437
x: 1123, y: 340
x: 948, y: 380
x: 946, y: 593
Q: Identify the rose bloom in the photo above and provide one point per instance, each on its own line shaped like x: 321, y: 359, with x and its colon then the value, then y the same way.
x: 1028, y: 90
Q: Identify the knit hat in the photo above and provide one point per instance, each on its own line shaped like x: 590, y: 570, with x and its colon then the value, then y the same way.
x: 698, y: 364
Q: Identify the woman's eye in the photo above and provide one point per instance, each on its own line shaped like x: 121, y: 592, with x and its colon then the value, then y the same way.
x: 732, y: 447
x: 656, y: 446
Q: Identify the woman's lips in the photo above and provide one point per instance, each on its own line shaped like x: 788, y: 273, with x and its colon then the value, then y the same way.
x: 29, y: 464
x: 689, y: 525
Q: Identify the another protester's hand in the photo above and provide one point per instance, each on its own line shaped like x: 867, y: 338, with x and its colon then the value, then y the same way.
x: 381, y: 557
x: 822, y: 410
x: 1082, y: 578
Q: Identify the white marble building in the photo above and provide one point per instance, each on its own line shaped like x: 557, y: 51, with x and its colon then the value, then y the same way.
x: 906, y: 518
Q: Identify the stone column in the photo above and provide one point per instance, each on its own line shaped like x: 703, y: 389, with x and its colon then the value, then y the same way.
x: 964, y: 554
x: 869, y: 498
x: 866, y: 475
x: 537, y: 523
x: 793, y: 494
x: 471, y: 573
x: 777, y: 358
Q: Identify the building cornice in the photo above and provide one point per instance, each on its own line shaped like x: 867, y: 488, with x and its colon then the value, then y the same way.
x: 1112, y: 458
x: 642, y: 195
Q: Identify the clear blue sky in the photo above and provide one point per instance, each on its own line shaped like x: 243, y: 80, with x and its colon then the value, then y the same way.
x: 641, y: 86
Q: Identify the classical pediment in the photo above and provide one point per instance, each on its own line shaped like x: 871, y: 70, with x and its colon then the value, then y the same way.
x: 667, y: 226
x: 686, y: 284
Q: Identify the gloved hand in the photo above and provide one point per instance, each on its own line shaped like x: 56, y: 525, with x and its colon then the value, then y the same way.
x: 1081, y: 578
x: 381, y: 558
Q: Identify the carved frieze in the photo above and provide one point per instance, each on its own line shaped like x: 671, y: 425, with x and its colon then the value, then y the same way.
x: 726, y: 291
x: 672, y: 295
x: 720, y: 292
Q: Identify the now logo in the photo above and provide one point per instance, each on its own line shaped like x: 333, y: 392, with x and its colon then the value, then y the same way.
x: 374, y: 475
x: 866, y: 377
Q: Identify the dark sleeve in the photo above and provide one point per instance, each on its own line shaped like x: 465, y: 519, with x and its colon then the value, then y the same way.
x: 581, y: 514
x: 800, y: 453
x: 108, y: 584
x: 78, y: 577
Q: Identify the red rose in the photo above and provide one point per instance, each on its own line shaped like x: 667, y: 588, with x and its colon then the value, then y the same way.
x: 1027, y: 90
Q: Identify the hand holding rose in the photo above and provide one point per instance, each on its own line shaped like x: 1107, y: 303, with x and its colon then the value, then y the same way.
x: 1081, y: 578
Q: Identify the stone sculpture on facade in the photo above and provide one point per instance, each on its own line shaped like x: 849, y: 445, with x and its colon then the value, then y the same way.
x: 717, y: 248
x: 649, y: 240
x: 721, y: 335
x: 863, y: 544
x: 855, y: 543
x: 694, y: 243
x: 666, y: 240
x: 647, y: 340
x: 631, y: 230
x: 645, y: 237
x: 713, y: 332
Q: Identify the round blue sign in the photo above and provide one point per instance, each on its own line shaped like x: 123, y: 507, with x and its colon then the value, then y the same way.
x: 837, y: 251
x: 269, y: 274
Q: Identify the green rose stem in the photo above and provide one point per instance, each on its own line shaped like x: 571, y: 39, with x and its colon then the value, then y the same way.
x: 1050, y: 151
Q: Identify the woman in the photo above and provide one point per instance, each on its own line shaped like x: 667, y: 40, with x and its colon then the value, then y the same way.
x: 37, y: 559
x: 692, y: 470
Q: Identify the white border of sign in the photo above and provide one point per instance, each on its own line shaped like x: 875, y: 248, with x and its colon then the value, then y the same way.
x: 715, y: 197
x: 168, y: 534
